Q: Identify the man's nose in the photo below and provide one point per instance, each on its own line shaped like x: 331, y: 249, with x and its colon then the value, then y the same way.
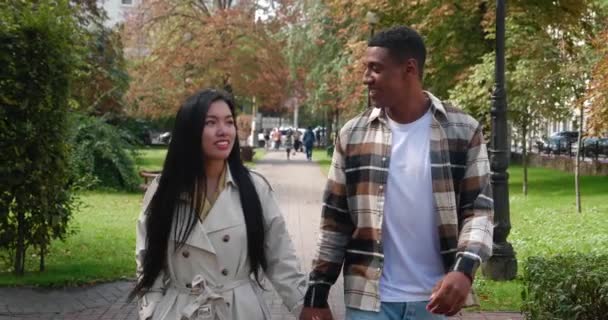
x: 367, y: 77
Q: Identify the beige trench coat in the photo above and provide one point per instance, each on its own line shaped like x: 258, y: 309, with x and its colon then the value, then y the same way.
x: 209, y: 278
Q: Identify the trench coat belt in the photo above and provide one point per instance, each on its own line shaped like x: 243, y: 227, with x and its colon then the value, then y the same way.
x: 207, y: 294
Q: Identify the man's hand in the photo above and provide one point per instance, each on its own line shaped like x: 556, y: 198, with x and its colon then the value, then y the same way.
x: 316, y: 314
x: 449, y: 294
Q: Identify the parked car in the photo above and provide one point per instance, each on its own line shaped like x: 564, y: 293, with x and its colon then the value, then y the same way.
x: 594, y: 146
x: 165, y: 137
x: 569, y: 136
x: 557, y: 145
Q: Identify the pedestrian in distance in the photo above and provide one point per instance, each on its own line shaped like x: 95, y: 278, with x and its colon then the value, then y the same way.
x: 309, y: 142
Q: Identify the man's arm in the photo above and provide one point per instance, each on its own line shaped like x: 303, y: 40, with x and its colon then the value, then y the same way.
x: 476, y: 209
x: 476, y: 214
x: 335, y: 233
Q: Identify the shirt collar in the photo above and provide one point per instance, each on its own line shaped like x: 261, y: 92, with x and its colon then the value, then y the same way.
x: 228, y: 177
x: 437, y: 109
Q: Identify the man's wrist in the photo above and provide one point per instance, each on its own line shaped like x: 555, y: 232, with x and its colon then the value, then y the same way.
x: 316, y: 296
x: 466, y: 265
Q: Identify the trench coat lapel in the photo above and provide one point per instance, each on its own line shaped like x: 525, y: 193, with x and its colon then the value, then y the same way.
x: 198, y: 237
x: 226, y: 211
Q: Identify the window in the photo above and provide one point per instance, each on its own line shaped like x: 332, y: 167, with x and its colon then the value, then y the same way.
x: 126, y: 2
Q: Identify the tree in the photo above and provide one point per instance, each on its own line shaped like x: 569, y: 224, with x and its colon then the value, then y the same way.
x: 193, y: 45
x: 38, y: 47
x: 597, y: 93
x: 543, y: 74
x: 102, y: 73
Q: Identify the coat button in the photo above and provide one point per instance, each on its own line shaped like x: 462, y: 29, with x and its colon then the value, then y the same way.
x: 225, y: 272
x: 185, y: 253
x: 226, y: 238
x: 188, y: 285
x: 228, y: 304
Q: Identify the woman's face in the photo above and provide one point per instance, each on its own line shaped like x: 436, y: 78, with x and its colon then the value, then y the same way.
x: 219, y: 132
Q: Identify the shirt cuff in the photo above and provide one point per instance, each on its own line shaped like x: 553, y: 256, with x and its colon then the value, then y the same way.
x: 316, y: 296
x: 466, y: 263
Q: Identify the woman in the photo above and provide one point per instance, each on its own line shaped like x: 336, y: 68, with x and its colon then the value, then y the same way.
x: 297, y: 144
x: 288, y: 142
x: 210, y: 229
x: 276, y: 138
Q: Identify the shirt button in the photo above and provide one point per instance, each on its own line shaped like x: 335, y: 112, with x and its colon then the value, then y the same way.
x: 225, y: 272
x: 226, y: 238
x: 185, y: 253
x: 383, y: 158
x: 381, y: 187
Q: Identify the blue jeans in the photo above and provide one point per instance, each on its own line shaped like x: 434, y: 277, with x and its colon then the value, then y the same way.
x: 309, y: 152
x: 395, y: 311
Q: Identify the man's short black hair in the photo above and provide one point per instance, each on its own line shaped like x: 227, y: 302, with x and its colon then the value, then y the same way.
x: 402, y: 43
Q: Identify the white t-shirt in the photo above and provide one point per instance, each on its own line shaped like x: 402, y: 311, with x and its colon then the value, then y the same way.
x: 412, y: 262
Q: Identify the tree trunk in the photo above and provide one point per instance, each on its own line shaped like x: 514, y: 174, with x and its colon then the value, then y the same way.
x: 296, y: 114
x: 326, y: 126
x: 254, y: 127
x: 524, y: 160
x: 20, y: 249
x: 577, y: 188
x: 42, y: 252
x: 337, y: 124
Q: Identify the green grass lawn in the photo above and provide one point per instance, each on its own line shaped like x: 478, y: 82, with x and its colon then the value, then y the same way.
x: 153, y: 158
x: 320, y: 156
x: 102, y: 245
x: 543, y: 223
x: 101, y: 249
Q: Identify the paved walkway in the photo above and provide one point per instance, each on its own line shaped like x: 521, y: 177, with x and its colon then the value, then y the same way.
x: 298, y: 185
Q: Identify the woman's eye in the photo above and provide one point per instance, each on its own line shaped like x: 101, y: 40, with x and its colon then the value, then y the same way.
x: 209, y: 122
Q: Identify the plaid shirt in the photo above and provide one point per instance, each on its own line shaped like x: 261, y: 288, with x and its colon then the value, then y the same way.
x: 354, y: 197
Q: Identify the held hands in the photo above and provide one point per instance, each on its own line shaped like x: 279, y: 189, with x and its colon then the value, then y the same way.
x: 316, y: 314
x: 449, y: 294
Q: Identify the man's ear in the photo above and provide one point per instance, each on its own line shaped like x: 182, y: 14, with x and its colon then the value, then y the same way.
x: 411, y: 67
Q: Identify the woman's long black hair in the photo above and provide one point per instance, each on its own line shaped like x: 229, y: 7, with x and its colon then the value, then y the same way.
x: 184, y: 166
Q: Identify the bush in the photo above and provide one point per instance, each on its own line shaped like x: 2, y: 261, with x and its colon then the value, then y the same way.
x: 37, y: 54
x: 566, y: 287
x: 102, y: 155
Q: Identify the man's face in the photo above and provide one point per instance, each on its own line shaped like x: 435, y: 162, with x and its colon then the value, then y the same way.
x: 387, y: 79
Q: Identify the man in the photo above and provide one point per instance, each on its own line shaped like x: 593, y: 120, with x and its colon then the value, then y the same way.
x: 407, y: 210
x: 309, y: 141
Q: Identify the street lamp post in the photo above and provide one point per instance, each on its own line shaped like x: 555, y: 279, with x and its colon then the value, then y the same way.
x: 372, y: 20
x: 254, y: 120
x: 503, y: 264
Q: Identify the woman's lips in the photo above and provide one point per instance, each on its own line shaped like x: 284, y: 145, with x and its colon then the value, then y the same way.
x: 222, y: 144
